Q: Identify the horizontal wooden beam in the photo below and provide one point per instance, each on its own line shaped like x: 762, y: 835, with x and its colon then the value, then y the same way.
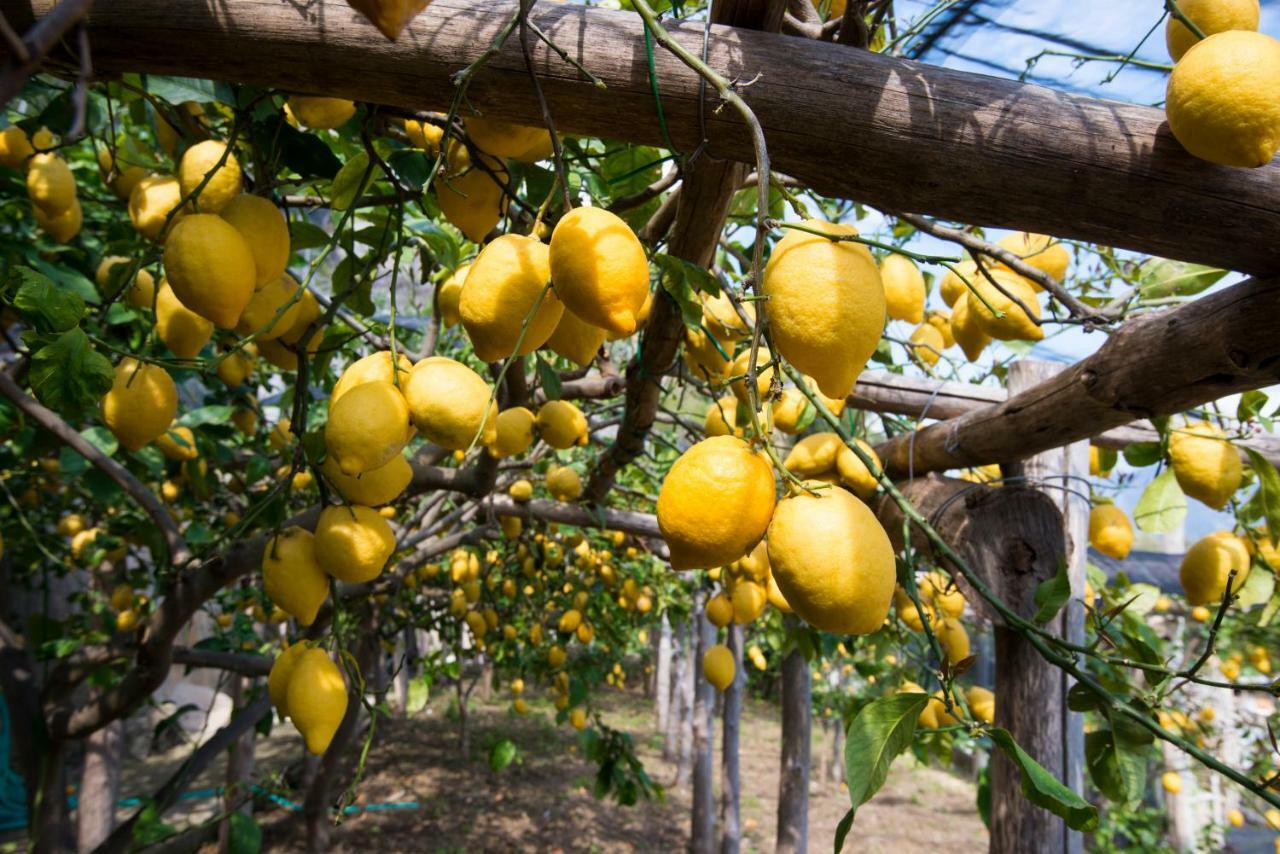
x: 1157, y: 364
x: 850, y: 123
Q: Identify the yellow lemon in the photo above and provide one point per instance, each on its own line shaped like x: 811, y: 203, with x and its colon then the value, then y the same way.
x: 281, y: 435
x: 1235, y: 818
x: 468, y: 194
x: 707, y: 357
x: 1206, y: 465
x: 982, y: 703
x: 1096, y: 462
x: 1207, y: 564
x: 120, y: 178
x: 210, y: 268
x: 367, y: 427
x: 292, y: 576
x: 72, y: 524
x: 826, y: 305
x: 719, y: 610
x: 904, y: 290
x: 578, y: 718
x: 211, y: 164
x: 451, y: 404
x: 789, y: 409
x: 520, y: 491
x: 854, y: 474
x: 813, y: 455
x: 927, y: 344
x: 563, y: 483
x: 1211, y: 16
x: 561, y: 424
x: 272, y: 310
x: 353, y: 542
x: 776, y: 597
x: 718, y: 666
x: 1040, y: 251
x: 1015, y: 324
x: 941, y: 321
x: 50, y: 184
x: 1171, y: 781
x: 953, y: 284
x: 503, y: 285
x: 264, y: 230
x: 281, y: 671
x: 178, y: 443
x: 139, y: 293
x: 317, y: 698
x: 309, y: 312
x: 514, y: 432
x: 749, y: 599
x: 141, y: 404
x: 832, y: 561
x: 376, y: 367
x: 378, y: 486
x: 182, y: 330
x: 62, y: 226
x: 764, y: 375
x: 236, y: 367
x: 122, y: 597
x: 1221, y: 101
x: 320, y: 113
x: 508, y: 140
x: 246, y: 420
x: 449, y: 294
x: 153, y: 200
x: 15, y: 148
x: 1110, y: 531
x: 967, y: 328
x: 576, y: 340
x: 953, y: 639
x: 424, y: 135
x: 555, y: 656
x: 715, y: 503
x: 721, y: 317
x: 599, y: 269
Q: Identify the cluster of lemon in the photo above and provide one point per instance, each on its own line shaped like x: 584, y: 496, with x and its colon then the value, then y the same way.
x: 50, y: 185
x: 981, y: 702
x: 943, y: 605
x: 308, y: 688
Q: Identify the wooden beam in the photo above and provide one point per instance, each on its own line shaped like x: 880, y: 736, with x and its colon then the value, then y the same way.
x: 925, y: 139
x: 1158, y: 364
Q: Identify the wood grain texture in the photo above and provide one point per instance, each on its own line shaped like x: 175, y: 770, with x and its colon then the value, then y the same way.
x: 889, y: 132
x: 1159, y: 364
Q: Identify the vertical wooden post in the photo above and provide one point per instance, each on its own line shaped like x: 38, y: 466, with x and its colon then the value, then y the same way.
x: 240, y: 762
x: 703, y: 837
x: 662, y: 677
x: 99, y: 786
x: 730, y: 779
x: 793, y: 783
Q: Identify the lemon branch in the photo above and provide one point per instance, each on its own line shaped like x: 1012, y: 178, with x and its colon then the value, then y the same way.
x: 1171, y: 6
x: 557, y: 149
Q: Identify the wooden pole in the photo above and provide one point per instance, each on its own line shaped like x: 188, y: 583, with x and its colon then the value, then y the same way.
x: 730, y: 778
x: 702, y: 839
x: 1034, y: 158
x: 797, y: 726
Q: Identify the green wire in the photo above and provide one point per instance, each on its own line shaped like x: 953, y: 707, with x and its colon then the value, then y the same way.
x: 653, y: 84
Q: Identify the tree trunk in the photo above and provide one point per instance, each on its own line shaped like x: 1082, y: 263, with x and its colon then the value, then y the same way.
x: 837, y: 751
x: 682, y: 702
x: 662, y: 679
x: 51, y: 830
x: 99, y: 786
x: 703, y: 836
x: 793, y: 786
x: 730, y: 782
x: 240, y: 764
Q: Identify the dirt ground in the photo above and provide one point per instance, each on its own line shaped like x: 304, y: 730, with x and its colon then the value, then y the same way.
x: 543, y: 801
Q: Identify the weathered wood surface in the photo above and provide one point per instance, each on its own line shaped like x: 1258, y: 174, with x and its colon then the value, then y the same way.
x: 1158, y: 364
x: 920, y: 138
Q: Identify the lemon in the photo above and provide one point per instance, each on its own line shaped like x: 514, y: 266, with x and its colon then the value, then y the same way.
x: 514, y: 432
x: 718, y: 666
x: 576, y: 340
x: 927, y: 344
x: 72, y: 524
x: 520, y: 491
x: 813, y: 455
x: 502, y: 286
x: 563, y: 483
x: 832, y: 561
x: 707, y: 357
x: 561, y: 424
x: 378, y: 486
x: 1040, y: 251
x: 953, y: 284
x: 50, y: 184
x: 291, y: 575
x: 468, y: 195
x: 223, y: 184
x: 424, y: 135
x: 982, y: 703
x: 826, y: 305
x: 941, y: 321
x: 1095, y: 463
x: 509, y: 140
x: 511, y: 526
x: 904, y: 290
x: 376, y: 367
x: 1015, y: 324
x: 449, y: 294
x: 749, y: 599
x: 141, y: 404
x: 317, y: 698
x: 281, y: 435
x: 236, y: 367
x: 122, y: 597
x: 1272, y: 817
x: 719, y: 610
x: 776, y: 597
x: 1206, y: 465
x: 451, y: 404
x: 246, y: 420
x: 178, y: 443
x: 269, y: 312
x: 1171, y: 781
x: 1221, y: 102
x: 62, y: 226
x: 125, y: 177
x: 1211, y: 16
x: 320, y: 113
x: 569, y: 621
x: 1235, y: 818
x: 15, y: 148
x: 715, y: 503
x: 367, y: 427
x: 578, y: 718
x: 1207, y: 564
x: 789, y: 410
x: 210, y: 268
x: 555, y: 656
x: 854, y: 474
x: 599, y: 269
x: 127, y: 620
x: 309, y: 312
x: 264, y: 230
x: 967, y: 328
x: 182, y: 330
x: 139, y: 293
x: 764, y: 375
x: 353, y: 543
x: 152, y: 201
x: 720, y: 316
x: 953, y: 639
x: 281, y: 672
x: 1110, y: 531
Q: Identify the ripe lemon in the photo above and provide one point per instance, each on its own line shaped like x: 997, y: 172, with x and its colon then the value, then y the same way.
x: 927, y: 344
x: 520, y: 491
x: 967, y: 328
x: 1206, y: 465
x: 776, y: 597
x: 511, y: 526
x: 1110, y: 531
x: 125, y: 177
x: 376, y: 367
x: 513, y: 433
x: 264, y: 230
x: 292, y: 576
x: 1095, y: 462
x: 982, y: 703
x: 1015, y: 324
x: 1235, y: 818
x: 569, y: 621
x: 141, y: 404
x: 832, y: 561
x: 563, y: 483
x: 122, y: 597
x: 578, y: 718
x: 953, y: 284
x: 367, y: 427
x: 904, y: 290
x: 50, y: 184
x: 502, y: 286
x: 764, y: 376
x: 561, y: 424
x: 269, y: 312
x: 281, y: 672
x: 706, y: 356
x: 317, y: 698
x: 424, y: 135
x: 281, y: 435
x: 15, y: 148
x: 1207, y: 564
x: 826, y: 305
x: 1211, y: 16
x: 719, y: 610
x: 941, y: 321
x: 210, y: 268
x: 451, y: 404
x: 813, y: 455
x: 468, y: 195
x: 1040, y: 251
x: 576, y: 340
x: 749, y: 599
x: 309, y: 312
x: 1171, y: 781
x: 789, y: 410
x: 953, y: 639
x: 715, y: 503
x: 62, y: 226
x: 353, y: 542
x: 371, y: 488
x: 555, y: 656
x: 178, y: 443
x: 509, y: 140
x: 721, y: 317
x: 449, y: 294
x: 72, y: 524
x: 599, y: 269
x: 138, y: 293
x: 153, y: 199
x: 320, y: 113
x: 718, y: 666
x: 224, y: 181
x: 1221, y: 102
x: 854, y: 474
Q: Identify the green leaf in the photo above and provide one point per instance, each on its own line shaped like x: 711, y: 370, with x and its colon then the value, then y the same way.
x: 304, y: 153
x: 149, y: 829
x: 306, y: 235
x: 502, y: 754
x: 1258, y: 588
x: 842, y: 830
x: 883, y: 729
x: 220, y: 414
x: 1142, y: 454
x: 244, y: 836
x: 1045, y: 790
x: 347, y: 184
x: 548, y: 379
x: 412, y: 167
x: 1051, y: 594
x: 175, y: 90
x: 71, y: 464
x: 1161, y: 277
x: 1268, y: 495
x: 1106, y: 458
x: 1117, y: 772
x: 68, y: 375
x: 1162, y: 507
x: 47, y: 307
x: 1251, y: 404
x: 1081, y: 698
